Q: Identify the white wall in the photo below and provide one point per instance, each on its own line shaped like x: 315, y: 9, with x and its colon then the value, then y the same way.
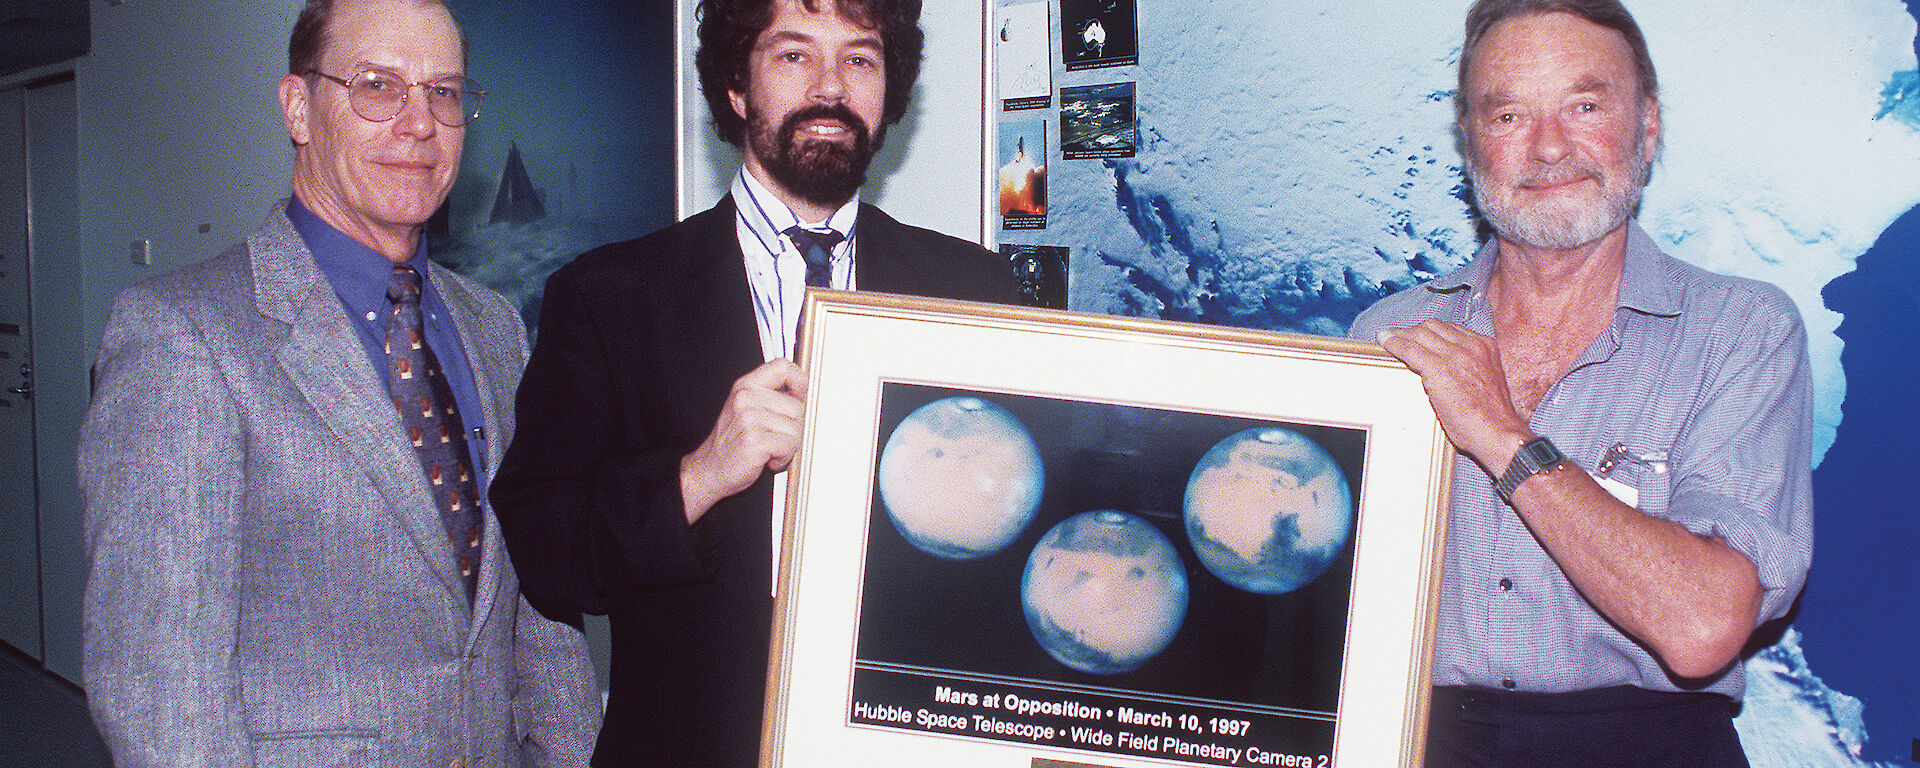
x: 177, y: 127
x: 929, y: 173
x: 60, y: 368
x: 180, y: 128
x: 170, y: 126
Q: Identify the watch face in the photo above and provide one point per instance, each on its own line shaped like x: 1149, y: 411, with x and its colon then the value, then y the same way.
x: 1541, y: 453
x: 1534, y: 457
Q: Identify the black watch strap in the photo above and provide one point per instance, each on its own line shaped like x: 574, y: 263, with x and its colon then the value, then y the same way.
x: 1535, y: 457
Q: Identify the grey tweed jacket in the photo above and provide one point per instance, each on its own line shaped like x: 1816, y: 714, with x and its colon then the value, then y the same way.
x: 269, y: 580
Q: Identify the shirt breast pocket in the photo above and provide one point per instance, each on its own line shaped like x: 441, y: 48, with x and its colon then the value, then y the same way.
x: 1640, y: 479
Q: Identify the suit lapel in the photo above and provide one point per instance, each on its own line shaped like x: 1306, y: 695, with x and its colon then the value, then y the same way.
x: 877, y: 263
x: 325, y: 361
x: 713, y: 283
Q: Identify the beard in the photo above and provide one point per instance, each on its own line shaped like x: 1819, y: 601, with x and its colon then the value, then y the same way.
x: 1558, y: 224
x: 816, y: 170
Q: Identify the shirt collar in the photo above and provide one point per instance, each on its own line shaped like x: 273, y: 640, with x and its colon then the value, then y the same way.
x: 1644, y: 286
x: 1474, y: 274
x: 767, y: 217
x: 358, y: 274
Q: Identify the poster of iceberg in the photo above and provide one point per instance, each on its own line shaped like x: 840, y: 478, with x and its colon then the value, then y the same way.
x: 1297, y: 161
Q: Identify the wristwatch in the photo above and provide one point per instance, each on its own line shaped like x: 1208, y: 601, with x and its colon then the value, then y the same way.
x: 1535, y: 457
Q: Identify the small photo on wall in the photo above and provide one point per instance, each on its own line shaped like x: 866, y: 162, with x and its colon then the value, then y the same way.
x: 1042, y: 272
x: 1023, y: 73
x: 1096, y: 121
x: 1023, y: 175
x: 1098, y: 33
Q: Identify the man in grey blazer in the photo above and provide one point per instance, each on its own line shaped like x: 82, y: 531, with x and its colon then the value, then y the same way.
x: 286, y: 458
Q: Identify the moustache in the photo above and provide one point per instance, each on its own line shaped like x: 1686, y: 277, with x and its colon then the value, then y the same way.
x: 838, y: 112
x: 1562, y: 174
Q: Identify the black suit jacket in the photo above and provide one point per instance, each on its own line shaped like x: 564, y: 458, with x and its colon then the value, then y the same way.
x: 639, y: 344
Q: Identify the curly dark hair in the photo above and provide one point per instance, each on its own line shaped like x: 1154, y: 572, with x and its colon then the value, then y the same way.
x: 729, y: 28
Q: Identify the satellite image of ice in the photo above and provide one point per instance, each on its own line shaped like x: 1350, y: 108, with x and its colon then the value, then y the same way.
x: 1296, y: 161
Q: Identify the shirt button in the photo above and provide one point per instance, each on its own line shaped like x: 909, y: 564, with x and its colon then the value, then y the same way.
x: 1507, y: 684
x: 370, y: 317
x: 1506, y: 585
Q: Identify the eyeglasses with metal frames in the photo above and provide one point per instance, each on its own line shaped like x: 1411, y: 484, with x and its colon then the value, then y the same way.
x: 378, y: 95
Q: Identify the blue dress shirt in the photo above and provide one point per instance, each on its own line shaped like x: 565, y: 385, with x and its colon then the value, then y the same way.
x: 359, y: 276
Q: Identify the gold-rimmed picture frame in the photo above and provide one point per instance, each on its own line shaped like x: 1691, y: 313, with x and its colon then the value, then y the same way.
x: 1023, y: 537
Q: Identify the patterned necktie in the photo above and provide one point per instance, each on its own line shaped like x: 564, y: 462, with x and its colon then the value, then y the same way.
x: 817, y: 249
x: 425, y: 403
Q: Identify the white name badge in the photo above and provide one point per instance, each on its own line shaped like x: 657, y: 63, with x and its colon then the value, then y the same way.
x: 1627, y: 494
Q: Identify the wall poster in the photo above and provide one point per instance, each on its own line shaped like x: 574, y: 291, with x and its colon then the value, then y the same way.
x: 1297, y: 161
x: 1042, y: 272
x: 1098, y: 33
x: 1022, y: 178
x: 1096, y: 121
x: 1023, y: 71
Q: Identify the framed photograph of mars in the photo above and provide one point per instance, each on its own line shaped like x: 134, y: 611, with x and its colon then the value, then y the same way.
x: 1030, y: 537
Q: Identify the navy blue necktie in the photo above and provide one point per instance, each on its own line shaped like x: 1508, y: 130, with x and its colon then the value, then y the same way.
x: 426, y: 406
x: 817, y: 249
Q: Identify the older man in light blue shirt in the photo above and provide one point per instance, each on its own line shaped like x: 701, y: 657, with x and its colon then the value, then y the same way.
x: 1633, y: 494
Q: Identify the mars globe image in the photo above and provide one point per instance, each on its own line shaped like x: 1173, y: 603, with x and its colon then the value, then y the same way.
x: 1268, y: 510
x: 960, y: 478
x: 1104, y: 592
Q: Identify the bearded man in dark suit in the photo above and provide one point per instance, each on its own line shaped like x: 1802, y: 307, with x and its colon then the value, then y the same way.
x: 661, y: 404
